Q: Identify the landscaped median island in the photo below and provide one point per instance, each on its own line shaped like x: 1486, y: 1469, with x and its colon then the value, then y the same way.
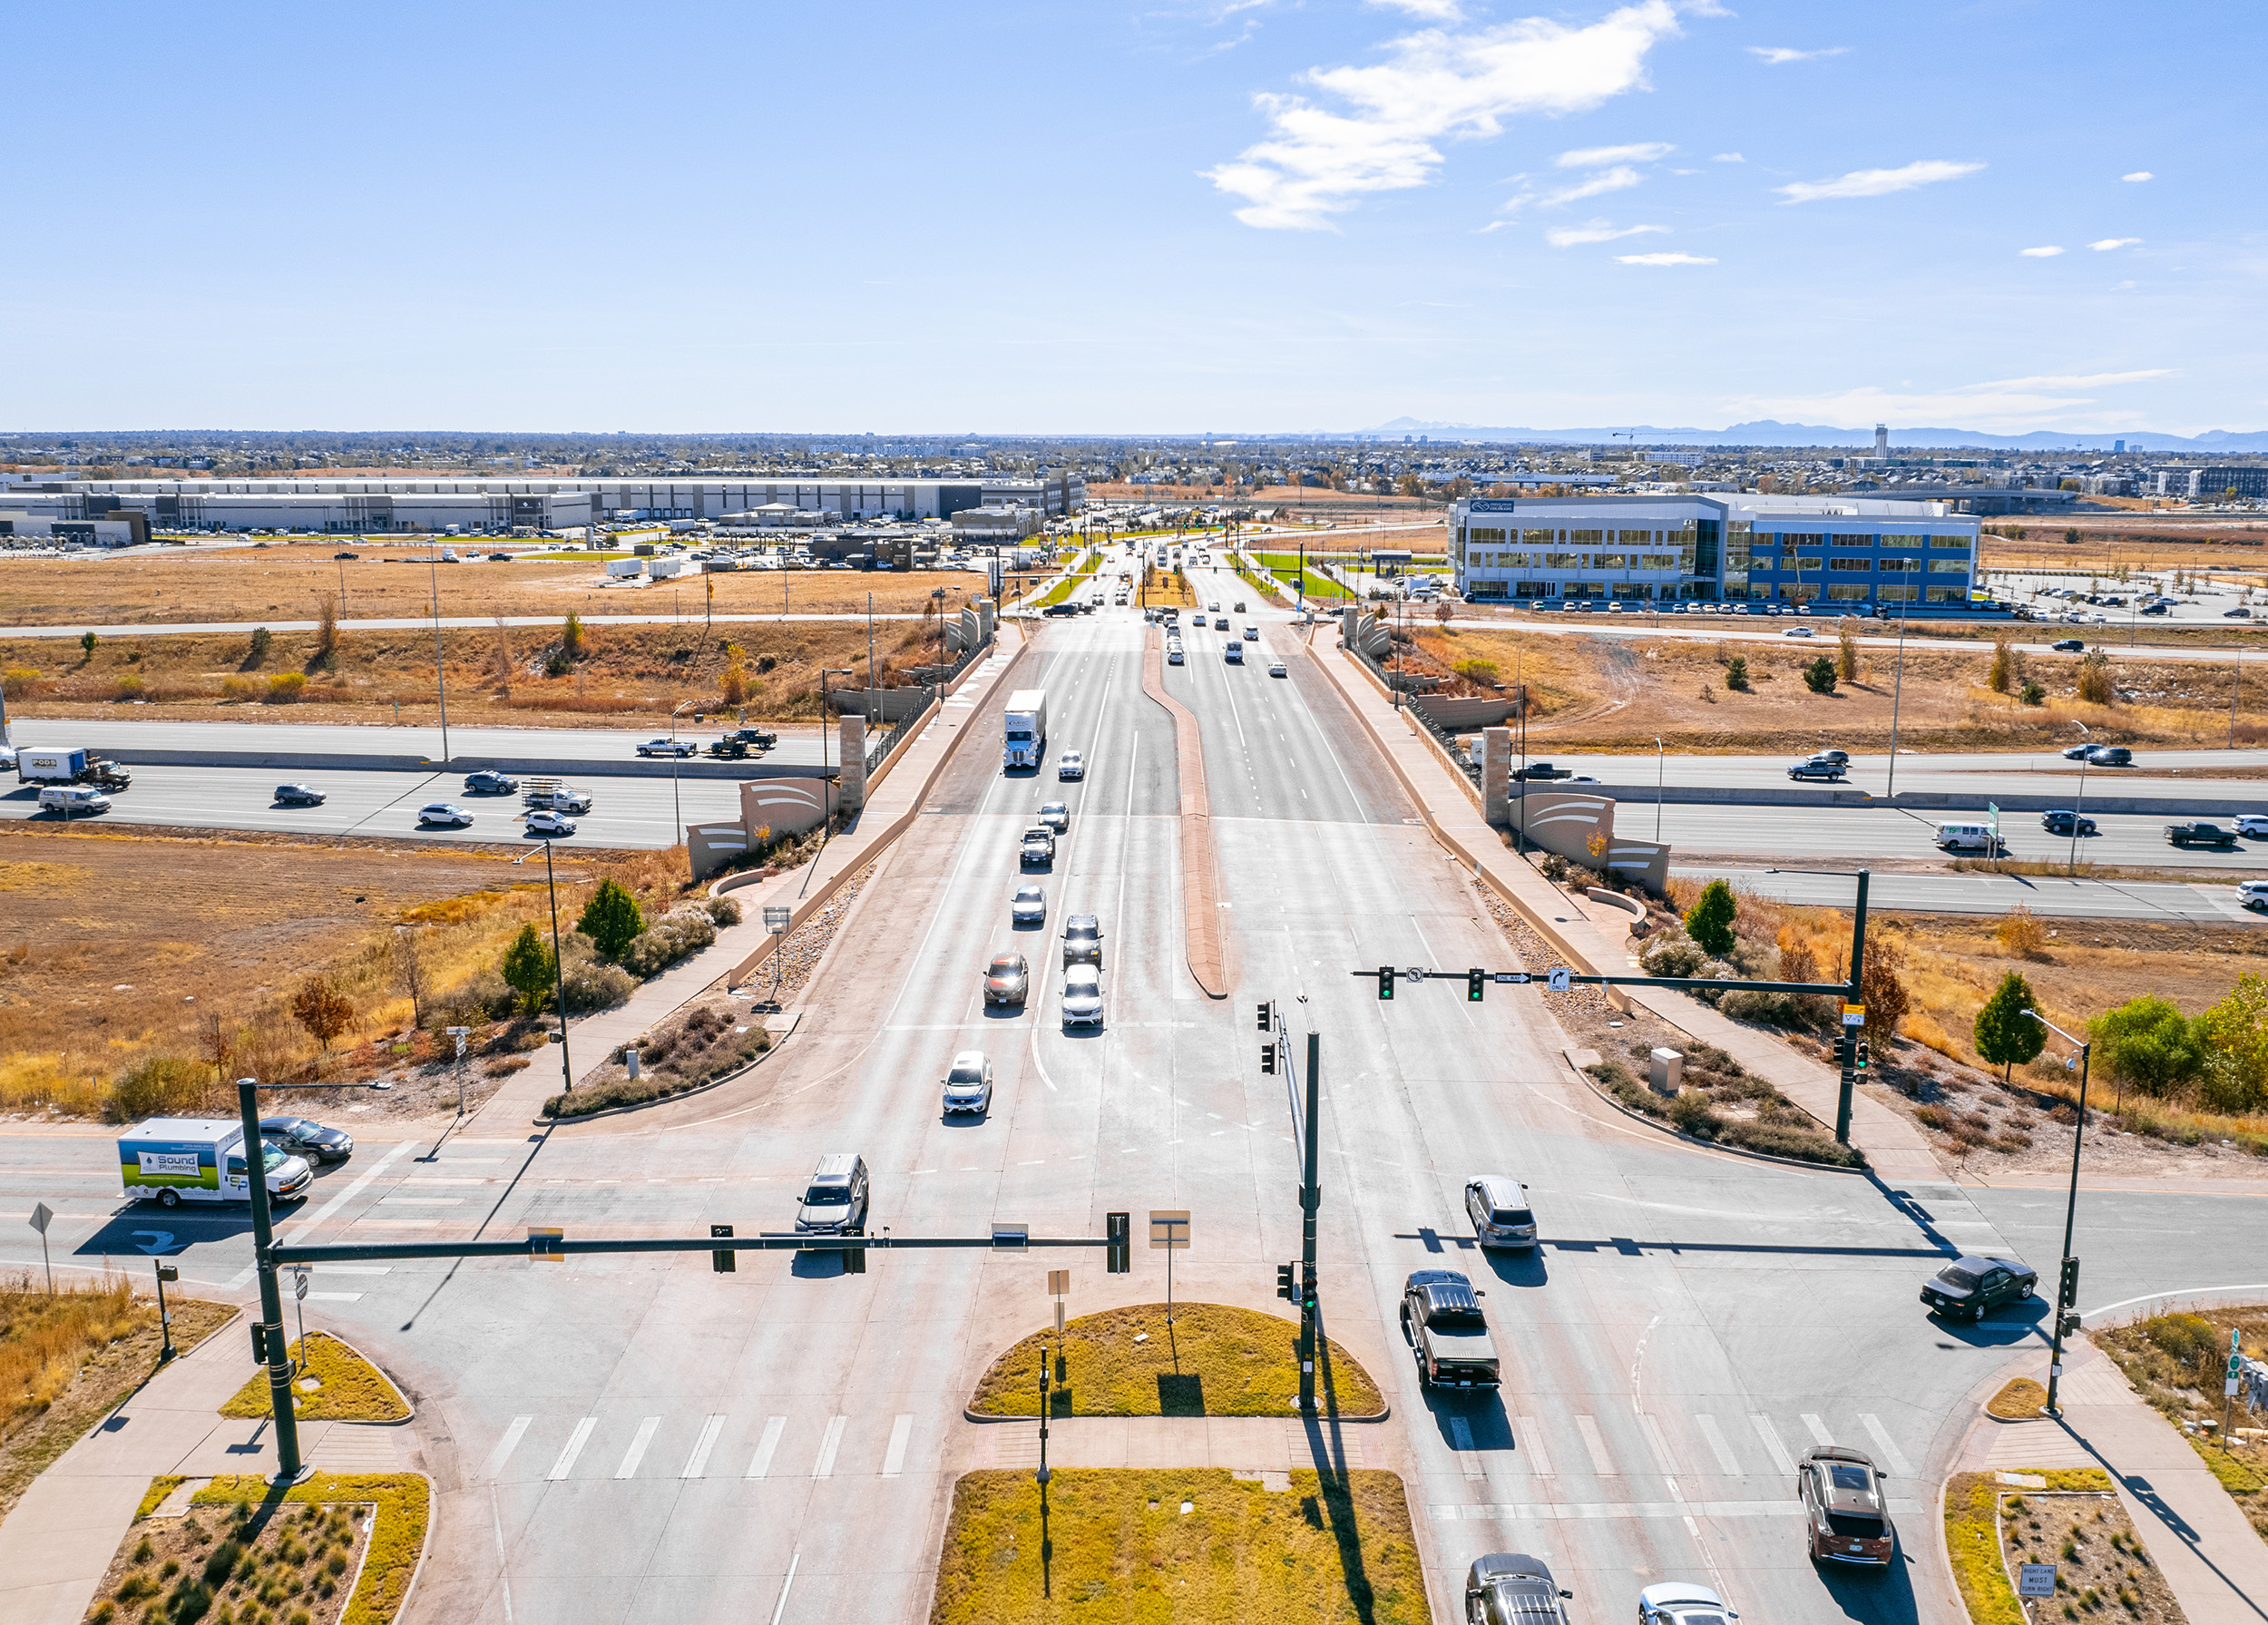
x: 1197, y: 1545
x: 336, y: 1549
x: 1723, y: 1103
x: 2176, y: 1362
x: 335, y: 1384
x: 67, y: 1358
x: 2069, y: 1518
x: 1215, y: 1360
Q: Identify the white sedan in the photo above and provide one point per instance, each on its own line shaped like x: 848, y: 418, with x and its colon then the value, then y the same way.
x: 444, y: 813
x: 1797, y: 632
x: 1072, y: 764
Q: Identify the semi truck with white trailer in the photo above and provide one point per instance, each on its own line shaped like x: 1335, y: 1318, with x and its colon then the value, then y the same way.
x: 46, y: 767
x: 174, y: 1160
x: 1026, y: 725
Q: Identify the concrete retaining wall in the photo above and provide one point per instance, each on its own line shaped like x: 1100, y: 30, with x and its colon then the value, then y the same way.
x: 1643, y: 795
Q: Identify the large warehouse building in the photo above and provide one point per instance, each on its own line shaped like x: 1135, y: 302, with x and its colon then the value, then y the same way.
x: 1852, y: 552
x: 364, y: 506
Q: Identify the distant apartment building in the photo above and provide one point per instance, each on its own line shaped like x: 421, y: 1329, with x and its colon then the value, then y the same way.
x: 2248, y: 480
x: 1836, y: 551
x: 364, y: 506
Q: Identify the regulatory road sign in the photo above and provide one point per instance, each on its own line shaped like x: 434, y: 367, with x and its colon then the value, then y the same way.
x: 1058, y: 1282
x: 1854, y: 1015
x: 2036, y: 1579
x: 42, y: 1215
x: 299, y: 1283
x: 1517, y: 978
x: 776, y: 917
x: 1169, y: 1229
x: 1416, y: 973
x: 1562, y: 980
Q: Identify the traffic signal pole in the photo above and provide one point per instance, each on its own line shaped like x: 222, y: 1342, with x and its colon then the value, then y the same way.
x: 1310, y: 1200
x: 1853, y: 995
x: 268, y: 1337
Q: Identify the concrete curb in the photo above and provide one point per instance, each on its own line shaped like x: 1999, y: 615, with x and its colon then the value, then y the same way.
x: 1200, y: 876
x: 1368, y: 1417
x: 541, y: 1121
x: 1600, y: 1090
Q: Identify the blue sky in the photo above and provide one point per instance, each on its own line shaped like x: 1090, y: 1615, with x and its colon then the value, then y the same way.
x: 1245, y: 215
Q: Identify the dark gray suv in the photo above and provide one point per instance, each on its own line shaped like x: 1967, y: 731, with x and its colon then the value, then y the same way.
x: 1082, y: 941
x: 1511, y: 1588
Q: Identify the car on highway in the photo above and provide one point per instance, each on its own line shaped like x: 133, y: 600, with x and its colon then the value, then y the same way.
x: 1038, y: 846
x: 668, y: 746
x: 487, y: 781
x: 2199, y: 834
x: 1541, y: 770
x: 1446, y: 1331
x: 1082, y: 996
x: 1682, y: 1603
x: 1817, y: 767
x: 1797, y: 632
x: 439, y: 813
x: 547, y: 825
x: 1846, y: 1519
x: 2252, y: 825
x: 1072, y: 764
x: 1220, y: 623
x: 1969, y: 1288
x: 835, y: 1202
x: 968, y: 1084
x: 2157, y: 608
x: 1276, y: 669
x: 2253, y: 894
x: 1213, y: 607
x: 2068, y: 645
x: 1252, y: 633
x: 2110, y: 756
x: 2239, y: 613
x: 1511, y: 1588
x: 2064, y: 820
x: 2079, y: 752
x: 304, y: 1137
x: 1239, y: 608
x: 1501, y: 1217
x: 1234, y: 652
x: 297, y: 795
x: 1008, y: 979
x: 1029, y: 906
x: 1082, y: 941
x: 1174, y: 657
x: 1055, y: 816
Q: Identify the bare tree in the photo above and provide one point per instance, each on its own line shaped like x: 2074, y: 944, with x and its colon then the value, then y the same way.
x: 503, y: 659
x: 410, y: 974
x: 322, y: 1010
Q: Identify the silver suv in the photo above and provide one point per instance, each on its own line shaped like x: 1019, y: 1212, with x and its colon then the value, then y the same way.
x: 1498, y: 1206
x: 835, y: 1203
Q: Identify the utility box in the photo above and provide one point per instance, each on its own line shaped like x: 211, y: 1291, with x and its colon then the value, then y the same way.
x: 1667, y: 1072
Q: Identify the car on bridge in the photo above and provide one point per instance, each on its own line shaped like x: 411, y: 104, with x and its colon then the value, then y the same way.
x: 1276, y: 669
x: 1055, y: 816
x: 1082, y: 996
x: 1029, y: 906
x: 968, y: 1084
x: 1037, y: 847
x: 1969, y: 1288
x: 1071, y: 765
x: 297, y: 795
x: 1008, y: 979
x: 2064, y: 820
x: 1082, y: 941
x: 668, y: 746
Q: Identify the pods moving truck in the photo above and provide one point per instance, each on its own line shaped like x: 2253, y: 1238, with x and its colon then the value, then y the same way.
x: 70, y: 767
x: 1027, y: 728
x: 175, y: 1159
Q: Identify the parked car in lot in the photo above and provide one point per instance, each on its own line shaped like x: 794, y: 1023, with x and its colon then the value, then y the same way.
x: 1072, y: 764
x: 1029, y: 906
x: 297, y: 795
x: 1447, y: 1333
x: 1055, y: 816
x: 1846, y: 1518
x: 1008, y: 979
x: 2200, y: 834
x: 2063, y: 821
x: 436, y: 815
x: 1082, y: 996
x: 1082, y: 941
x: 1511, y: 1588
x: 1498, y: 1206
x: 1969, y: 1288
x: 304, y: 1137
x: 668, y: 746
x: 2069, y: 646
x: 968, y: 1084
x: 1682, y: 1603
x: 488, y: 782
x: 1817, y: 767
x: 548, y: 824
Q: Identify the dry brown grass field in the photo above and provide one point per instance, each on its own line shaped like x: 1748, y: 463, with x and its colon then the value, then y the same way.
x: 288, y: 582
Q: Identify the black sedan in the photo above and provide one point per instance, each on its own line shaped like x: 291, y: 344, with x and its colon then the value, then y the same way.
x: 297, y: 795
x: 303, y: 1136
x: 1970, y: 1288
x: 2062, y: 820
x: 488, y: 782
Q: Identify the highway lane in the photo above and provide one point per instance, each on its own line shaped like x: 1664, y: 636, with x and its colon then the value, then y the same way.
x: 2056, y: 896
x: 2127, y: 839
x: 2174, y: 774
x: 624, y: 812
x: 599, y: 747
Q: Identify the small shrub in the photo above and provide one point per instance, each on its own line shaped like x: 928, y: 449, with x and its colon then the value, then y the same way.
x: 257, y: 653
x: 1709, y: 922
x: 594, y: 984
x: 160, y: 1086
x: 677, y: 933
x: 2095, y: 684
x: 1736, y: 674
x: 723, y: 911
x: 287, y: 688
x: 238, y: 688
x: 2021, y: 933
x: 1693, y: 1114
x: 131, y: 688
x: 1673, y: 955
x: 2033, y: 694
x: 1819, y: 677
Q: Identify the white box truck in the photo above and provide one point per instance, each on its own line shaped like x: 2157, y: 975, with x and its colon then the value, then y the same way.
x: 1026, y: 721
x: 174, y: 1160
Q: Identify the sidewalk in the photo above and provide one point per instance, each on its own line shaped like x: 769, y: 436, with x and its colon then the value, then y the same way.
x: 57, y: 1543
x: 1594, y: 937
x: 739, y: 949
x: 2209, y: 1553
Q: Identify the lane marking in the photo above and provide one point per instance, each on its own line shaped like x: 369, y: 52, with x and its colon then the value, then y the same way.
x: 1593, y: 1441
x: 1883, y: 1443
x: 697, y: 1464
x: 1772, y: 1446
x: 824, y: 1466
x: 1531, y: 1440
x: 1659, y: 1445
x: 636, y: 1451
x: 901, y: 1432
x: 761, y: 1462
x: 1818, y: 1429
x: 793, y: 1559
x: 1725, y: 1459
x: 575, y: 1442
x: 299, y: 1231
x: 506, y: 1445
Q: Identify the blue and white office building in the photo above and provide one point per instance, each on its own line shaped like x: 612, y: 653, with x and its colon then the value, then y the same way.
x: 1836, y: 553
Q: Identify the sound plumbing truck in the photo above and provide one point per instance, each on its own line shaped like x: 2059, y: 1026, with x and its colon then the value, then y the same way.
x: 174, y: 1160
x: 1026, y: 721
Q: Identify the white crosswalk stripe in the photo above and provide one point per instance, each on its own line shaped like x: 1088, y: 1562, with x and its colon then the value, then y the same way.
x: 506, y: 1445
x: 1658, y: 1444
x: 1725, y: 1460
x: 573, y: 1448
x: 1773, y: 1448
x: 1893, y: 1457
x: 1601, y: 1461
x: 1530, y: 1442
x: 824, y: 1466
x: 697, y: 1464
x: 761, y: 1463
x: 1818, y: 1429
x: 636, y: 1451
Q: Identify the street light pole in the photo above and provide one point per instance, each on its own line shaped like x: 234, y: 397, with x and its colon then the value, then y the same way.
x: 2071, y: 864
x: 1897, y: 690
x: 441, y: 681
x: 2067, y: 1277
x: 1658, y: 787
x: 559, y: 972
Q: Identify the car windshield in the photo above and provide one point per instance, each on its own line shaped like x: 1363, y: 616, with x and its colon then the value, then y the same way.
x: 826, y: 1195
x: 970, y: 1075
x: 1954, y: 1275
x: 1454, y: 1315
x: 1844, y: 1476
x: 1007, y: 964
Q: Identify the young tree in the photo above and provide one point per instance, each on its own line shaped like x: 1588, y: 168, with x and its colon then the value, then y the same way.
x: 573, y: 641
x: 2001, y: 674
x: 2235, y: 1035
x: 2148, y: 1042
x: 1819, y: 677
x: 610, y: 919
x: 87, y: 640
x: 734, y: 685
x: 322, y: 1010
x: 528, y: 968
x: 1709, y: 922
x: 2004, y: 1032
x: 1847, y: 650
x: 1882, y: 989
x: 327, y: 633
x: 1736, y: 674
x: 409, y: 970
x: 2095, y: 683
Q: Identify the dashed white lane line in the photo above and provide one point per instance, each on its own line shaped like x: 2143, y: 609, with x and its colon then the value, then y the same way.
x: 900, y: 1432
x: 1530, y: 1439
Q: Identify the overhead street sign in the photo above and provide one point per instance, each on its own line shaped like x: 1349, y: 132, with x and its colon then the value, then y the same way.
x: 1562, y: 980
x: 1516, y: 978
x: 777, y: 917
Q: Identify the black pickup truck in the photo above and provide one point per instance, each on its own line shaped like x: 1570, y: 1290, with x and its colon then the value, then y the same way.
x: 2201, y: 834
x: 1542, y: 770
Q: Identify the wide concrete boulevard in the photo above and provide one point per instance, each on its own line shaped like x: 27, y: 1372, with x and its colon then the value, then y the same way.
x: 638, y: 1438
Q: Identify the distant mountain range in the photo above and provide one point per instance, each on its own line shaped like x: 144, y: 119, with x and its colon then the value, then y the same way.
x: 1769, y: 432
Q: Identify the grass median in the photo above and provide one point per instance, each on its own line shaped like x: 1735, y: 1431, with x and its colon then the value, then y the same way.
x: 1195, y: 1545
x: 337, y: 1384
x: 1215, y: 1360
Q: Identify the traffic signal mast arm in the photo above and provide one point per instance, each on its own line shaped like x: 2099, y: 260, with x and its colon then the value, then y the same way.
x: 1540, y: 978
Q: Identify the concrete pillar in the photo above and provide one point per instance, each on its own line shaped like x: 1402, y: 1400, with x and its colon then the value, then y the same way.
x: 1350, y: 625
x: 850, y: 789
x: 1496, y: 777
x: 985, y: 610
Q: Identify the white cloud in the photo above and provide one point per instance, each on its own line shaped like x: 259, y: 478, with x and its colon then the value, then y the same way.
x: 1875, y: 184
x: 1620, y: 178
x: 1663, y: 260
x: 1597, y: 158
x: 1434, y: 86
x: 2001, y: 404
x: 2109, y: 243
x: 2046, y: 252
x: 1568, y: 237
x: 2140, y: 175
x: 1776, y: 55
x: 1728, y: 158
x: 1432, y: 11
